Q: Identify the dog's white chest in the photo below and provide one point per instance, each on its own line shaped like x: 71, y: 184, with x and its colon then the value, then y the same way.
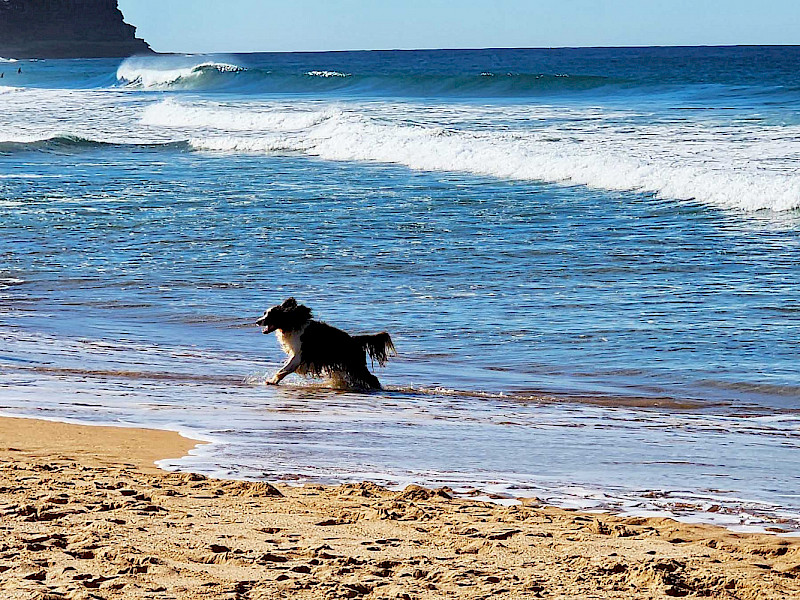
x: 290, y: 340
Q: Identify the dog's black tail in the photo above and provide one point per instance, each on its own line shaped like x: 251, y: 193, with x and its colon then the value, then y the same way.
x: 379, y: 346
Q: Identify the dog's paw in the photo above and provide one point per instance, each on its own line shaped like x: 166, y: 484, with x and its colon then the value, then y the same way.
x: 273, y: 381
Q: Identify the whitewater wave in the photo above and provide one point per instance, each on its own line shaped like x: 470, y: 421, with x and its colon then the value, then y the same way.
x: 7, y: 60
x: 149, y: 73
x: 171, y: 113
x: 327, y: 74
x: 606, y: 159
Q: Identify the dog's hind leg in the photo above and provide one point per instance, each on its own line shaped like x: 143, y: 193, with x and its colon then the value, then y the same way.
x: 290, y: 367
x: 373, y: 383
x: 363, y: 378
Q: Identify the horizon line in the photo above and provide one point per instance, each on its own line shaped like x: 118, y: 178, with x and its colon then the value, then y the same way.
x: 432, y: 49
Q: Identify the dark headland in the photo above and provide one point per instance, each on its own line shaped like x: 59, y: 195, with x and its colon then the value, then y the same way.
x: 66, y: 29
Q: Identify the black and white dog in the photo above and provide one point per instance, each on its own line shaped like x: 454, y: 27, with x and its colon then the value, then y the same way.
x: 315, y: 348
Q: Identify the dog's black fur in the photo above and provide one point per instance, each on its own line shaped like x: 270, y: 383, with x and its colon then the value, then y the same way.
x: 316, y: 348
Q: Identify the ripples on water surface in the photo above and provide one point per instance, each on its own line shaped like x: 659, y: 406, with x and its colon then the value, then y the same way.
x: 580, y: 313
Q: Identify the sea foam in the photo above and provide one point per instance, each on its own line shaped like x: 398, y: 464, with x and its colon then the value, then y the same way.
x: 719, y: 168
x: 170, y: 113
x: 327, y: 74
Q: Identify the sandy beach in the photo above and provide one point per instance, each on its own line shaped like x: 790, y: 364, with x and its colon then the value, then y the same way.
x: 85, y: 514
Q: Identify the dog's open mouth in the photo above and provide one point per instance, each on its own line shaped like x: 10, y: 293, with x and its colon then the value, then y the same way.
x: 268, y: 329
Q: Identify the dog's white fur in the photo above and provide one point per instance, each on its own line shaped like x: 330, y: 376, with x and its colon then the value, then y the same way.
x: 290, y: 340
x: 290, y: 344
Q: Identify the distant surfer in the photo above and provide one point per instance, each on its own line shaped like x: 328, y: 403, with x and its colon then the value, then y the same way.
x: 19, y: 71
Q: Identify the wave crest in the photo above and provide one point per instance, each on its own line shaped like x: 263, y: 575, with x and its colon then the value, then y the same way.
x: 149, y: 73
x: 193, y: 73
x: 73, y: 143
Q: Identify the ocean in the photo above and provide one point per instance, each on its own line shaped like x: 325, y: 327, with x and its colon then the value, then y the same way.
x: 588, y: 260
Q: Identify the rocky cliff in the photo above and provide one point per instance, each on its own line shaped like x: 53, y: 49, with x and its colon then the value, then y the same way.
x: 66, y: 29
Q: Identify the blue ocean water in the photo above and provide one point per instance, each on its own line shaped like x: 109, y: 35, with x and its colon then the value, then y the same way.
x: 588, y: 260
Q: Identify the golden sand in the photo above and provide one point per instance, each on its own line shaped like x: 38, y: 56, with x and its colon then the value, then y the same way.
x: 84, y: 514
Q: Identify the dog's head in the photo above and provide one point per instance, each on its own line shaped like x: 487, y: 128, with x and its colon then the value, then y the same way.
x: 287, y: 316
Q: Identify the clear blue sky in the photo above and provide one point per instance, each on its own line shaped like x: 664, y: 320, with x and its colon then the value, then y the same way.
x: 294, y: 25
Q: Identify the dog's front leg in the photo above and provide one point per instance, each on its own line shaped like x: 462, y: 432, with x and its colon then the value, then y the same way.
x: 290, y: 367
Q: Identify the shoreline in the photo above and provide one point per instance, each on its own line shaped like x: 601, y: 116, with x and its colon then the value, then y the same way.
x: 690, y: 511
x: 88, y: 514
x: 97, y: 445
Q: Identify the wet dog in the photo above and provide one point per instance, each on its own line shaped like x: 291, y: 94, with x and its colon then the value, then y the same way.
x: 316, y: 348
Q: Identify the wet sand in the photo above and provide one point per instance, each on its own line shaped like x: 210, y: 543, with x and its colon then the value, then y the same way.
x: 85, y: 514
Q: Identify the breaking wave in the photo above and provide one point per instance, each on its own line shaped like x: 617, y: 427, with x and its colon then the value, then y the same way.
x: 187, y: 73
x: 604, y: 159
x: 146, y: 73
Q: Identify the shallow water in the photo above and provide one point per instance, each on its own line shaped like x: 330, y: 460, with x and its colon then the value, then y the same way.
x: 591, y: 280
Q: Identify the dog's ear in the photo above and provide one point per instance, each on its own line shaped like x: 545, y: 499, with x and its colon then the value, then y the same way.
x: 289, y: 303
